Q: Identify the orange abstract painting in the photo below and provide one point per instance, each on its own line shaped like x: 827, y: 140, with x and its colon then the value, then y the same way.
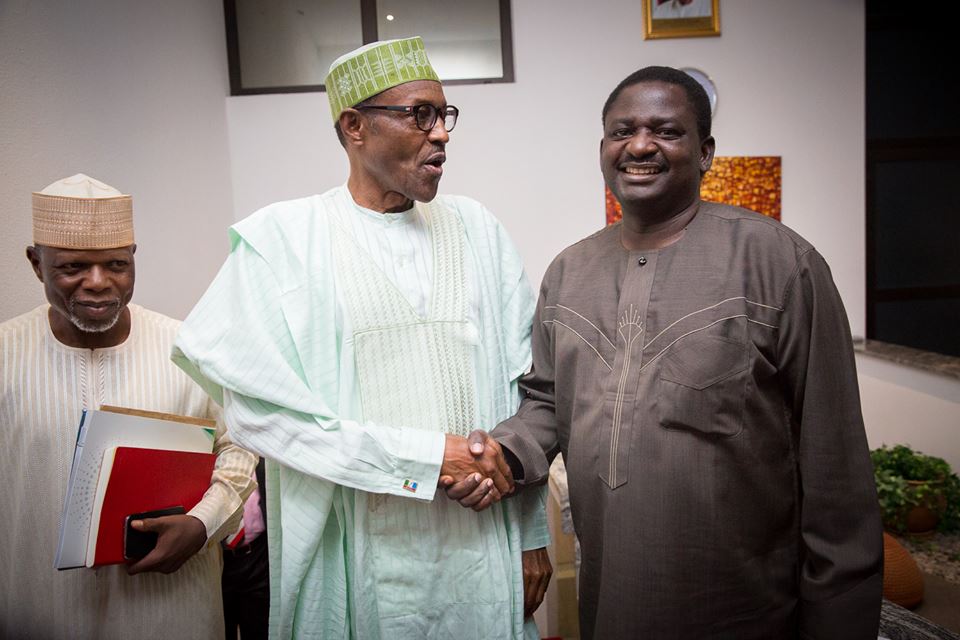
x: 751, y: 182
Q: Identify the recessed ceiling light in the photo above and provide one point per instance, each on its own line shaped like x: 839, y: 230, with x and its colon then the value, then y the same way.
x: 390, y: 17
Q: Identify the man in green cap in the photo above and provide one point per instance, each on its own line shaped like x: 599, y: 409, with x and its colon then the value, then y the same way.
x: 355, y: 338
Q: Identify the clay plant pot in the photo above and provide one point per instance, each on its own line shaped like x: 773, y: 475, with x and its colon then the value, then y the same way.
x: 902, y: 580
x: 921, y: 520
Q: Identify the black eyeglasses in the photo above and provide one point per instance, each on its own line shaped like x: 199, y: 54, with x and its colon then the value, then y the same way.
x: 425, y: 114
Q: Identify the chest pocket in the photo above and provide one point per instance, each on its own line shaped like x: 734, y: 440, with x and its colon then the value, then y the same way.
x: 702, y: 386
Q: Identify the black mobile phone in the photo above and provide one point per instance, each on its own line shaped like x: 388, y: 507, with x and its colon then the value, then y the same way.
x: 137, y: 544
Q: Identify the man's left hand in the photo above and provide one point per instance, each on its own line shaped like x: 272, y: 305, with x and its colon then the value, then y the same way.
x: 179, y: 538
x: 537, y: 571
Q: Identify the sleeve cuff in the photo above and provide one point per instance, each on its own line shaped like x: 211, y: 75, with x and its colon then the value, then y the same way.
x: 535, y: 531
x: 534, y: 467
x: 219, y: 513
x: 516, y: 469
x: 206, y: 513
x: 420, y: 457
x: 853, y: 614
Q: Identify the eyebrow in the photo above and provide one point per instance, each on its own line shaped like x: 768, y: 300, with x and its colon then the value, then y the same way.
x: 655, y: 121
x: 83, y: 258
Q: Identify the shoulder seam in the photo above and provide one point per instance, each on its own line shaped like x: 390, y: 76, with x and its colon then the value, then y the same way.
x: 798, y: 241
x: 791, y: 281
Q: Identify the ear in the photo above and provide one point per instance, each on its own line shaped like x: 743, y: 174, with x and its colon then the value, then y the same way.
x: 707, y: 147
x: 353, y: 126
x: 133, y: 249
x: 33, y: 255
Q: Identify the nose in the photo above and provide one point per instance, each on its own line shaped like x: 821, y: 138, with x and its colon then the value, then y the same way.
x: 641, y: 144
x: 95, y: 278
x: 438, y: 134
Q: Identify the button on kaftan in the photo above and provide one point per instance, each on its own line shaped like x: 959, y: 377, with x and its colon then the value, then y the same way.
x: 293, y: 330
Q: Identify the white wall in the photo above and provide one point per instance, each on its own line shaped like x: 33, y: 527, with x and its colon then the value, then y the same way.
x: 790, y: 78
x: 790, y: 83
x: 907, y: 406
x: 132, y: 93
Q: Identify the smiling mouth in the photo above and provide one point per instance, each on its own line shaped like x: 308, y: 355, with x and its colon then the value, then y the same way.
x: 98, y: 307
x: 646, y: 170
x: 94, y: 317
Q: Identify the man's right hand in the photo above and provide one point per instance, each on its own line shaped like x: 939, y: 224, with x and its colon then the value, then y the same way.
x: 178, y: 538
x: 474, y: 459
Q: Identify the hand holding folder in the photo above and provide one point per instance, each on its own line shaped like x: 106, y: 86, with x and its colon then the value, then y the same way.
x: 178, y: 538
x: 134, y: 480
x: 128, y: 462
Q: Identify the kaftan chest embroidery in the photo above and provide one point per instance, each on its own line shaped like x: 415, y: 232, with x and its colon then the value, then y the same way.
x: 414, y: 371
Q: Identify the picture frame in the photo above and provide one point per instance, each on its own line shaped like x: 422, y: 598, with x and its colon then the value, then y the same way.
x: 680, y: 18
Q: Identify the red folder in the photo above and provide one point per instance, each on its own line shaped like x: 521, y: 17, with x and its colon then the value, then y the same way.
x: 145, y: 480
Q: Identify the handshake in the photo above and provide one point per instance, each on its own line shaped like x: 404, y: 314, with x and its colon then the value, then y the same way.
x: 474, y: 471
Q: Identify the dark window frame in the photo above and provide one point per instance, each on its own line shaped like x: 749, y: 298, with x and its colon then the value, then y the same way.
x: 368, y: 22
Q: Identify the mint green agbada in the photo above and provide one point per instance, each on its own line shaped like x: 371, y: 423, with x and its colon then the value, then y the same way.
x: 323, y: 369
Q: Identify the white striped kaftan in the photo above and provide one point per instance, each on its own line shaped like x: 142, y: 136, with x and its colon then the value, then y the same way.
x: 288, y: 336
x: 44, y: 385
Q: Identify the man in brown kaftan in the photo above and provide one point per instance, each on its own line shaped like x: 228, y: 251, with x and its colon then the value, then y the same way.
x: 694, y: 366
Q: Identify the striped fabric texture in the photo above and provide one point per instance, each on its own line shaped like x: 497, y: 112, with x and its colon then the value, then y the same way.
x: 276, y: 339
x: 44, y: 385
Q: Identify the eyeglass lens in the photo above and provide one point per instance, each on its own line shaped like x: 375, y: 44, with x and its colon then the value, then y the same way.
x: 427, y: 114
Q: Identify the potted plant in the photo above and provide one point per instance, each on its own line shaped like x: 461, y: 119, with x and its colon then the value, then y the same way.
x: 918, y: 493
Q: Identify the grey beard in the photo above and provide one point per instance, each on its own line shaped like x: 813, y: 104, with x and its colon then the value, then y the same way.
x: 94, y: 327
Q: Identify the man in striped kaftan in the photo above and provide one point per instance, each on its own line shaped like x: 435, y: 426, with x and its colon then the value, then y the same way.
x: 86, y: 348
x: 355, y: 338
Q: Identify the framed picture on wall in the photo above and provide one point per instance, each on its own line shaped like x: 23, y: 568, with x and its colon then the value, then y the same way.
x: 680, y: 18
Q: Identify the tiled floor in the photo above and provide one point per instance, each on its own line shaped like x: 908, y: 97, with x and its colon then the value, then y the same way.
x: 941, y: 602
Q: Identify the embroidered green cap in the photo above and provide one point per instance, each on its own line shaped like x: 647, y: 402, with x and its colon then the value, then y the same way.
x: 373, y: 68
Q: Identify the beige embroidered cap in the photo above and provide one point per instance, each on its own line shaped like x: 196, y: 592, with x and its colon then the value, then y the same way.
x: 374, y: 68
x: 82, y: 213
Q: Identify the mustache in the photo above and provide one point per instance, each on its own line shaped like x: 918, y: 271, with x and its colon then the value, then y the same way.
x: 97, y: 326
x: 89, y: 302
x: 74, y: 302
x: 654, y: 157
